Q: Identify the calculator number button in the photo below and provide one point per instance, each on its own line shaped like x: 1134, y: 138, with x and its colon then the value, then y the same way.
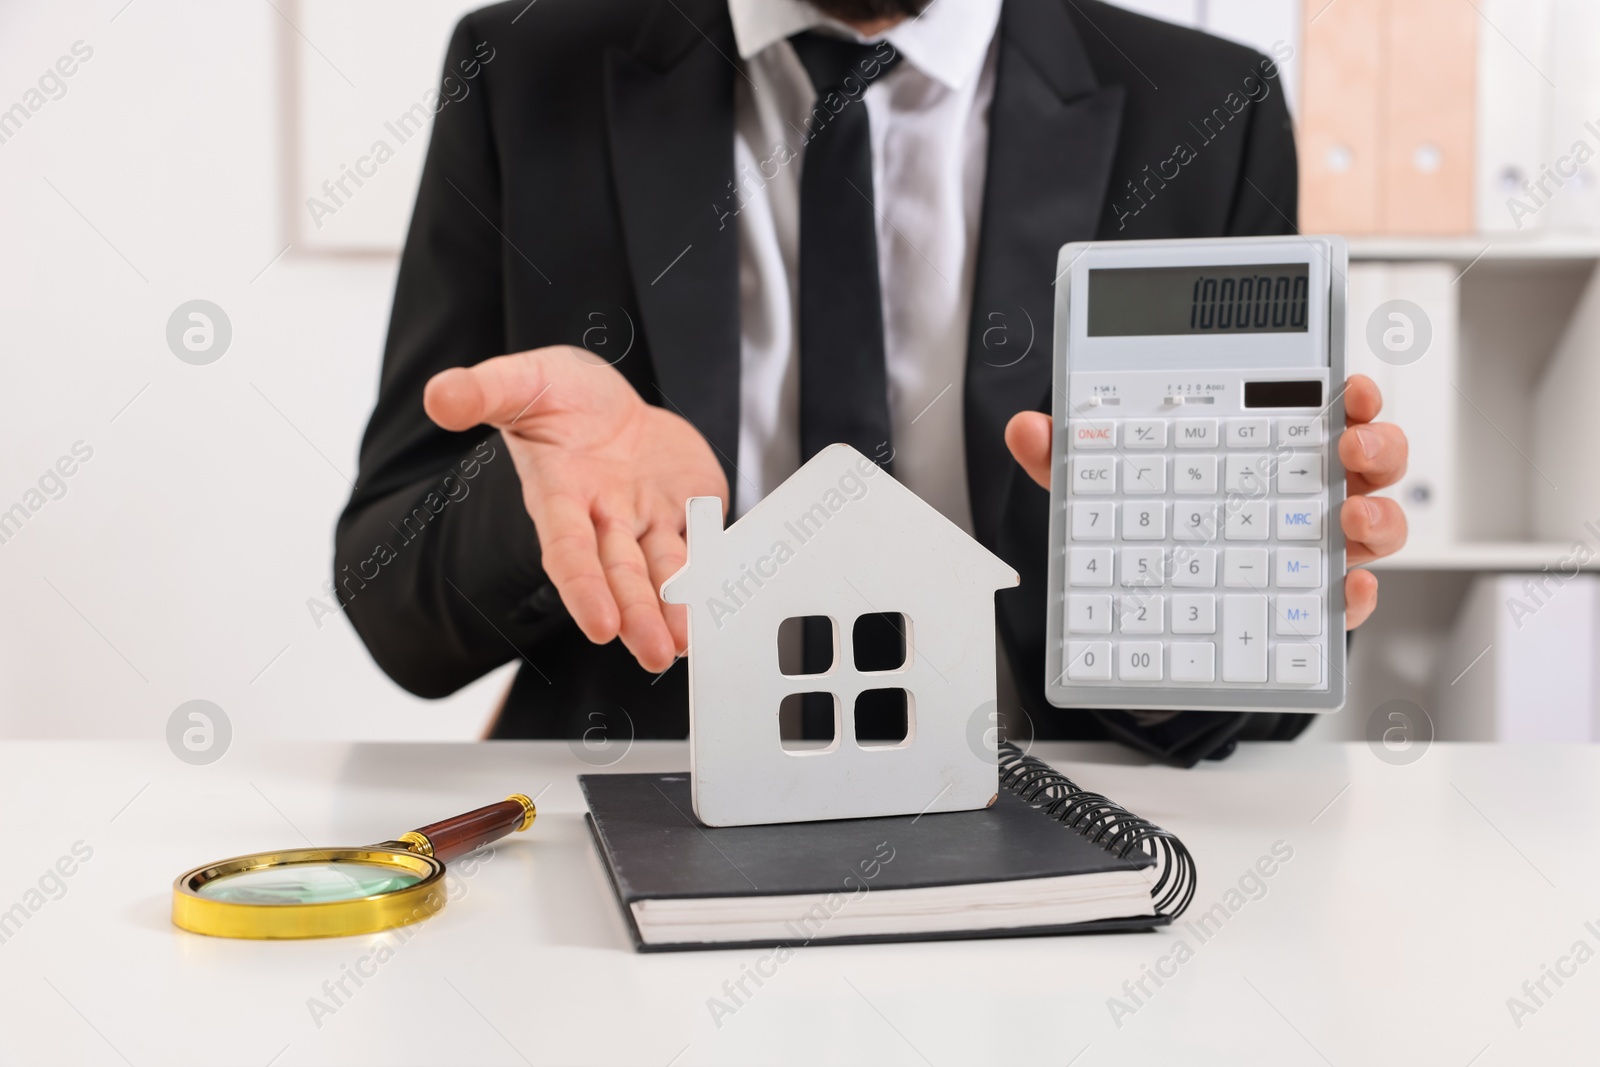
x: 1094, y: 522
x: 1144, y: 522
x: 1194, y: 613
x: 1194, y: 568
x: 1142, y: 566
x: 1094, y: 474
x: 1089, y: 566
x: 1142, y: 614
x: 1139, y: 661
x: 1088, y: 614
x: 1196, y: 523
x: 1194, y: 474
x: 1089, y: 661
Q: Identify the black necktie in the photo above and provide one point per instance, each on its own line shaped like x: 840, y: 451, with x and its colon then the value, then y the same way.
x: 844, y: 384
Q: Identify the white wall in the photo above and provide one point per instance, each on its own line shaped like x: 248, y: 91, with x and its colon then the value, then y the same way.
x: 185, y: 549
x: 180, y: 560
x: 1264, y: 25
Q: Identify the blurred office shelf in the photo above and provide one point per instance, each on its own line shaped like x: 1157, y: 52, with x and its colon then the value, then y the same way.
x: 1513, y: 556
x: 1478, y: 248
x: 1503, y: 484
x: 1498, y: 402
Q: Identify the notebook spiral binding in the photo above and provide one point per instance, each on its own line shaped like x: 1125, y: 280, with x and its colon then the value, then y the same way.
x: 1104, y: 822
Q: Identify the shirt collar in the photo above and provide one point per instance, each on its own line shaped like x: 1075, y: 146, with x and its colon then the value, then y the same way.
x: 947, y: 42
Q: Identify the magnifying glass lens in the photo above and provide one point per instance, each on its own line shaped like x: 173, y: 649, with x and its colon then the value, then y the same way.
x: 336, y: 892
x: 308, y: 883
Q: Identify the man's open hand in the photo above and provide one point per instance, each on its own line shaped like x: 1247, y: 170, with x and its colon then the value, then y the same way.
x: 604, y: 476
x: 1374, y: 457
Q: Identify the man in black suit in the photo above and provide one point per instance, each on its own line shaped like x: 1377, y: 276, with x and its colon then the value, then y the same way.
x: 627, y: 177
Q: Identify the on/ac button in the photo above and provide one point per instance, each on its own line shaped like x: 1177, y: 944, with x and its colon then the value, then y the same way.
x: 1088, y: 434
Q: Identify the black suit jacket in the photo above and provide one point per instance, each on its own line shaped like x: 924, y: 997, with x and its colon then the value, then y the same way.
x: 576, y: 193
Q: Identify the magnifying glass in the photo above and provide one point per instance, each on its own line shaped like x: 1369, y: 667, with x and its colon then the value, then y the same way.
x: 333, y: 892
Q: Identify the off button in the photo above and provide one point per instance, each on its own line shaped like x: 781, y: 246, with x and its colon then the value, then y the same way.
x: 1302, y: 432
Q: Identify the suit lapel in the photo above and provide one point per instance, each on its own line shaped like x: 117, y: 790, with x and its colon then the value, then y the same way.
x: 1052, y: 135
x: 669, y: 106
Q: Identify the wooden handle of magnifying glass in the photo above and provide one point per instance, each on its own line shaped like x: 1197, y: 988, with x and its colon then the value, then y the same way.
x: 449, y: 838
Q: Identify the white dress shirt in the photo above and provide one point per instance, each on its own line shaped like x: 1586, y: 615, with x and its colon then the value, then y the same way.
x: 930, y: 133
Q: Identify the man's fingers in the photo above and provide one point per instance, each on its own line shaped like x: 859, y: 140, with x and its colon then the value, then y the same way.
x: 1028, y: 437
x: 1360, y: 597
x: 1374, y: 455
x: 664, y: 554
x: 644, y: 628
x: 1362, y: 400
x: 454, y: 399
x: 571, y: 557
x: 1374, y: 526
x: 497, y: 391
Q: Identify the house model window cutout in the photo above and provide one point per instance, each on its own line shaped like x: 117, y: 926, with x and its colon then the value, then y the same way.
x: 839, y: 548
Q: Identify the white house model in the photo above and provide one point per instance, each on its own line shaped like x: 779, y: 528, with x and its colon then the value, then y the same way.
x: 840, y: 539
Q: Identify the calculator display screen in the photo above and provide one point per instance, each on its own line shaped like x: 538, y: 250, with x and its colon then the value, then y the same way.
x: 1234, y: 299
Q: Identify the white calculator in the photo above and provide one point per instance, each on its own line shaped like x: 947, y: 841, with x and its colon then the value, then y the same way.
x: 1197, y: 560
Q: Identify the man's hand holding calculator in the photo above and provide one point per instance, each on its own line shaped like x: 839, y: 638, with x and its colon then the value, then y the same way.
x: 1211, y: 503
x: 1374, y: 457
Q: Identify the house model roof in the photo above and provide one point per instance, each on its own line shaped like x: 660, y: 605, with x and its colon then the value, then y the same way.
x: 845, y: 514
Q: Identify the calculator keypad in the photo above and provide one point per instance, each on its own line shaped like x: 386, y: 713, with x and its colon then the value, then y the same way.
x: 1196, y: 551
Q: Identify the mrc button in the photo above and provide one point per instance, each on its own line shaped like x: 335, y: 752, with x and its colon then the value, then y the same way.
x: 1300, y: 521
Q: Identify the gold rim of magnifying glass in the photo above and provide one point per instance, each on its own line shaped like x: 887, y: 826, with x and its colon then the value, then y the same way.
x: 333, y: 918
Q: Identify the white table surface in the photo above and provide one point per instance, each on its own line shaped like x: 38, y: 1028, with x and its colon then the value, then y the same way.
x: 1418, y: 899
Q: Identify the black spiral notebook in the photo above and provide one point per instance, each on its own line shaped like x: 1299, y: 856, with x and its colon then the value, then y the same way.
x: 1046, y: 858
